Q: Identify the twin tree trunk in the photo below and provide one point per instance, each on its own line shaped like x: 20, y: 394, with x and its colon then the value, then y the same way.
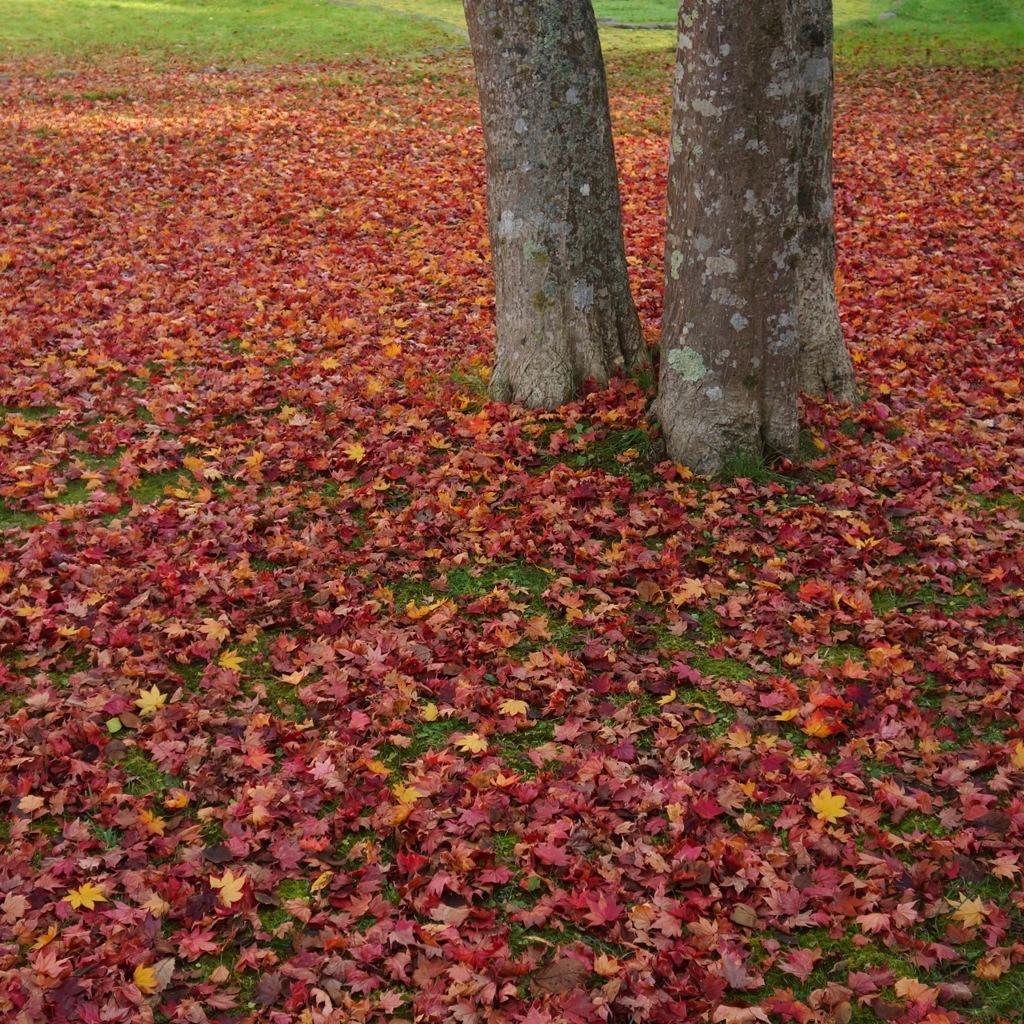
x: 564, y: 309
x: 730, y: 338
x: 825, y: 366
x: 750, y: 312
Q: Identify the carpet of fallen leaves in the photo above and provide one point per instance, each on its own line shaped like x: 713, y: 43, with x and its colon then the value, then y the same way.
x: 333, y: 692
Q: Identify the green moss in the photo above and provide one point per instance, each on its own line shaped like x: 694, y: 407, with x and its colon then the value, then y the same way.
x: 190, y: 675
x: 746, y: 465
x: 293, y: 889
x: 514, y: 747
x: 142, y: 776
x: 917, y: 822
x: 426, y: 736
x: 10, y: 519
x: 109, y: 836
x: 75, y: 493
x: 152, y: 487
x: 722, y: 668
x: 840, y: 654
x: 212, y: 832
x: 28, y: 412
x: 632, y: 453
x: 504, y: 845
x: 354, y: 839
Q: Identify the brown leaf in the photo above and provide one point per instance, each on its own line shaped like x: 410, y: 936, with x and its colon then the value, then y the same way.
x: 744, y: 916
x: 218, y: 854
x: 115, y: 750
x: 996, y: 822
x: 129, y: 719
x: 164, y: 972
x: 268, y: 988
x: 649, y: 592
x: 886, y: 1011
x: 955, y: 992
x: 970, y: 869
x: 739, y: 1015
x: 561, y: 975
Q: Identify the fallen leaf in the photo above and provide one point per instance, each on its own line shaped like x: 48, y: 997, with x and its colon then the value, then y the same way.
x: 86, y: 895
x: 145, y: 980
x: 230, y: 888
x: 828, y: 806
x: 563, y: 974
x: 150, y: 701
x: 472, y: 743
x: 231, y: 661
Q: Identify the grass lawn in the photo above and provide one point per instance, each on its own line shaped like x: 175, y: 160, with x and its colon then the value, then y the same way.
x: 245, y: 31
x: 331, y: 691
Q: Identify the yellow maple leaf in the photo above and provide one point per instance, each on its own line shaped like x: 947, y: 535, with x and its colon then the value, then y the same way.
x: 513, y: 707
x: 355, y: 452
x: 151, y: 701
x: 86, y: 895
x: 145, y: 979
x: 156, y: 905
x: 231, y: 660
x: 406, y: 794
x: 473, y: 743
x: 215, y: 630
x: 175, y: 798
x: 229, y: 887
x: 45, y: 938
x: 817, y: 725
x: 152, y: 823
x: 669, y: 698
x: 688, y: 590
x: 420, y: 611
x: 970, y: 912
x: 428, y: 713
x: 828, y: 806
x: 1018, y: 755
x: 322, y: 881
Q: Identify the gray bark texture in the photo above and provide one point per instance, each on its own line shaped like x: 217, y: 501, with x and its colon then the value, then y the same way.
x: 728, y: 381
x: 825, y: 366
x: 564, y: 309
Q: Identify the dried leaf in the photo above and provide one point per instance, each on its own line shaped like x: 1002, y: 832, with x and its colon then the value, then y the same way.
x: 562, y: 974
x: 86, y: 895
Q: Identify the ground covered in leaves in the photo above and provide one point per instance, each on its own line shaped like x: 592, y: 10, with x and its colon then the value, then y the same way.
x: 332, y: 692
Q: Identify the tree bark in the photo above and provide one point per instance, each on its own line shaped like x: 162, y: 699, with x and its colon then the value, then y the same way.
x: 825, y: 366
x: 564, y: 309
x: 728, y: 381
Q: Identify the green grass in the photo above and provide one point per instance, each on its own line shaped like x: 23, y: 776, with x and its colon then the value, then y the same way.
x: 202, y: 33
x: 198, y: 32
x: 12, y: 519
x: 939, y: 31
x: 142, y: 776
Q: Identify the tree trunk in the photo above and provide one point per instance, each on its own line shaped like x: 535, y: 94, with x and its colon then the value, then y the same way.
x: 729, y: 353
x: 825, y: 366
x: 564, y: 309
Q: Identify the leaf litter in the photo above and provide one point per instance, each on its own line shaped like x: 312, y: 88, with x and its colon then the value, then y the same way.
x: 429, y: 708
